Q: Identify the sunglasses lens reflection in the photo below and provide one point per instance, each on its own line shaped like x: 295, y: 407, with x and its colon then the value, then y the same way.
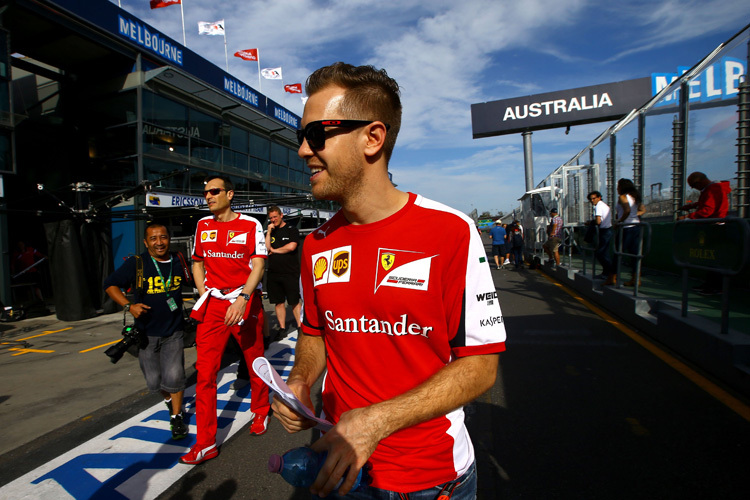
x: 315, y: 135
x: 213, y: 191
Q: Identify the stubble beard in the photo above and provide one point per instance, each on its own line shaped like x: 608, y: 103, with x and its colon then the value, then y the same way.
x: 348, y: 183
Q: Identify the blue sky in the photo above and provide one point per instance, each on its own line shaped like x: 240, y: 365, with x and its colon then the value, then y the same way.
x: 448, y: 54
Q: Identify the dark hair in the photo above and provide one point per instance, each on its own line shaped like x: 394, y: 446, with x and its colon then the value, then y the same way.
x: 155, y: 224
x: 228, y: 185
x: 274, y: 208
x: 626, y: 186
x: 597, y: 193
x: 696, y: 177
x: 370, y: 95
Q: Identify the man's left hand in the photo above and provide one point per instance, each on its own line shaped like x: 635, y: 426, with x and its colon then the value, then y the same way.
x: 235, y: 312
x: 349, y: 444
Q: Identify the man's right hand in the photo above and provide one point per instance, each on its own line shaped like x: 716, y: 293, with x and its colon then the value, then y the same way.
x: 137, y: 309
x: 290, y: 419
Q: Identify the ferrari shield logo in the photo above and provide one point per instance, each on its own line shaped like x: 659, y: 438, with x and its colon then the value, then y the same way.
x: 386, y: 260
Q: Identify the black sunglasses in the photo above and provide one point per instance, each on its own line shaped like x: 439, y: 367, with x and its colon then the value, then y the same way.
x: 213, y: 191
x: 315, y: 132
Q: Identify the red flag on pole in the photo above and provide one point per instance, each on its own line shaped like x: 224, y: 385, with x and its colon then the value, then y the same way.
x: 247, y: 55
x: 294, y: 88
x: 158, y: 4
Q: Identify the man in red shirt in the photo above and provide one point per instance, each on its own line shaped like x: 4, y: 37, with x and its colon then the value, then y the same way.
x: 406, y: 326
x: 713, y: 202
x: 228, y: 262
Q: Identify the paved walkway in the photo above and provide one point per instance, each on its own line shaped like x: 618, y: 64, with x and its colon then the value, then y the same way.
x: 579, y: 411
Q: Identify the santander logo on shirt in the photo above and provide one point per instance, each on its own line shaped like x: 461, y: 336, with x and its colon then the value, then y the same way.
x: 225, y: 255
x: 364, y: 324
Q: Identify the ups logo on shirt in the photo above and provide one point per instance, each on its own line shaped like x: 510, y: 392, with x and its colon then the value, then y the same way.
x: 340, y: 263
x: 332, y: 266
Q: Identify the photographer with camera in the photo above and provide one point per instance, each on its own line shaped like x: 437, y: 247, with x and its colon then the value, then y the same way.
x: 156, y: 276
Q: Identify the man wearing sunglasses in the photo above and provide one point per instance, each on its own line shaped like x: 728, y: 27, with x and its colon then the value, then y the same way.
x: 228, y: 262
x: 406, y: 325
x: 603, y: 219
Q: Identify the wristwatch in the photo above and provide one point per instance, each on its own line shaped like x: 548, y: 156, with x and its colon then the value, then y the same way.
x: 126, y: 307
x: 245, y: 296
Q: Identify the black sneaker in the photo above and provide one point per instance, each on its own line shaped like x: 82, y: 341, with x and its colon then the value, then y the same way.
x: 279, y: 334
x: 179, y: 429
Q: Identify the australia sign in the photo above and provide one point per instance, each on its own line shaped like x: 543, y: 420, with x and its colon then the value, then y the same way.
x: 553, y: 109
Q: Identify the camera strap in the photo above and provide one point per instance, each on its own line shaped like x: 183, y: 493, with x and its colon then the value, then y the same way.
x: 138, y: 277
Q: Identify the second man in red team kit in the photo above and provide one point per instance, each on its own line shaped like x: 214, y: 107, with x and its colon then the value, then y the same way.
x: 228, y: 263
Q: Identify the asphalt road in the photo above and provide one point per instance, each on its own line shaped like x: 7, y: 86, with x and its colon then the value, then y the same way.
x: 579, y: 411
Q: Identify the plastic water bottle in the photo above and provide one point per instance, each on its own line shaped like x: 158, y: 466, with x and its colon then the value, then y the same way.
x: 300, y: 466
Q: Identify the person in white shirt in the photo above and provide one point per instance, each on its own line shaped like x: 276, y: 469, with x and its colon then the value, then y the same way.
x: 603, y: 219
x: 629, y: 211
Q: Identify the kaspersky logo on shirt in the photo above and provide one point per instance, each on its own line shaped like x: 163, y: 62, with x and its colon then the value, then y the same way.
x: 403, y: 269
x: 332, y: 266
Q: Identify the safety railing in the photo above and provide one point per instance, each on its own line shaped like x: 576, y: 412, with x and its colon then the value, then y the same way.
x: 644, y: 229
x: 573, y: 240
x: 566, y: 245
x: 718, y: 246
x: 538, y: 250
x: 588, y: 249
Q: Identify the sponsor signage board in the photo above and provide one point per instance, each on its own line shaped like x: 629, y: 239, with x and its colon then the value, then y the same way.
x: 591, y: 104
x: 171, y: 200
x: 718, y: 81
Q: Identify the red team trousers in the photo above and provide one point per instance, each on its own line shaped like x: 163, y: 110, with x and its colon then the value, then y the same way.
x: 211, y: 339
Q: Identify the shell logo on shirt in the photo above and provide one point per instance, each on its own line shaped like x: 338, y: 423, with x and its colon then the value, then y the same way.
x: 320, y: 267
x: 237, y: 237
x: 413, y: 271
x: 332, y: 266
x: 208, y: 236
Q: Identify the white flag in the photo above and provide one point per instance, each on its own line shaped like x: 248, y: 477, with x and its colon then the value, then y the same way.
x: 271, y: 73
x: 216, y: 28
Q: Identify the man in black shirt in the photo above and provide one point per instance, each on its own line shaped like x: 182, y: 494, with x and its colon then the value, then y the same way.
x: 157, y: 309
x: 283, y: 267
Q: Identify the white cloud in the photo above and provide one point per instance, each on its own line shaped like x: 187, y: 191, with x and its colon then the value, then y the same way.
x: 674, y: 21
x: 447, y: 55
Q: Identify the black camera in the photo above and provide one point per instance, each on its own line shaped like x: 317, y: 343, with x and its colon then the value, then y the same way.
x: 133, y: 338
